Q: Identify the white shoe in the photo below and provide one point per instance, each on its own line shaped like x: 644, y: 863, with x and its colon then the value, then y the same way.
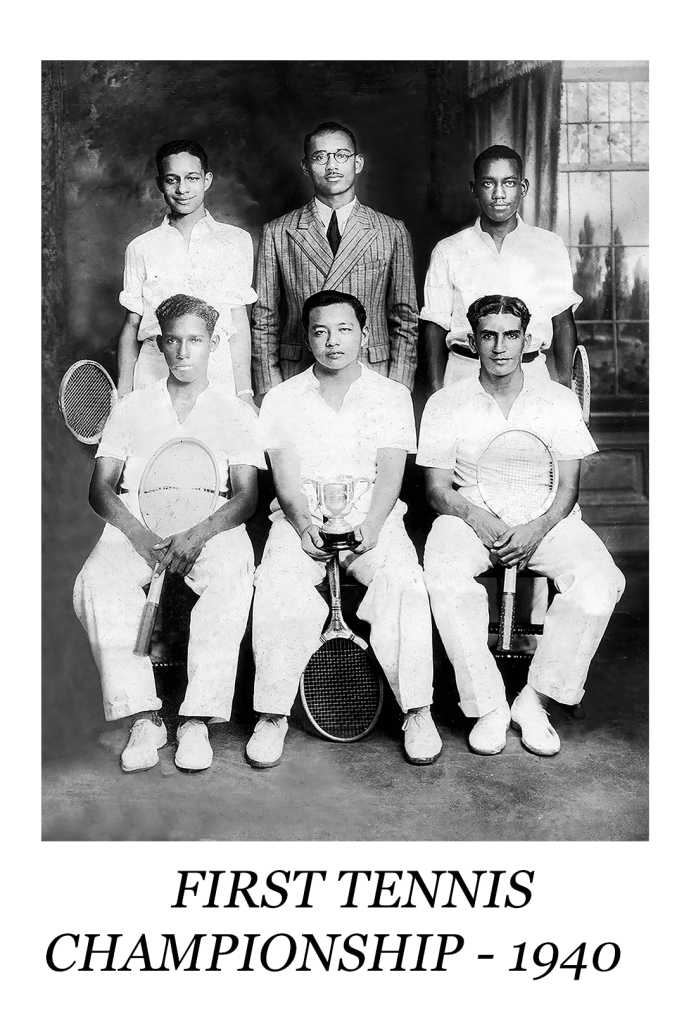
x: 144, y: 742
x: 528, y: 715
x: 422, y: 744
x: 194, y: 752
x: 488, y: 735
x: 265, y: 747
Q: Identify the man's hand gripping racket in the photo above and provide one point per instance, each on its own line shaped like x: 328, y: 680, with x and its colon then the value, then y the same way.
x: 178, y: 490
x: 517, y: 476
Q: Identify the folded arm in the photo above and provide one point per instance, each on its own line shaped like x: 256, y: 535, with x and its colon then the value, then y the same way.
x: 128, y: 351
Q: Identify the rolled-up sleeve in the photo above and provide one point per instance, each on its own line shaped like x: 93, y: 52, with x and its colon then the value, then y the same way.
x: 571, y: 439
x: 131, y: 296
x: 439, y: 291
x: 436, y: 444
x: 239, y: 284
x: 116, y: 436
x: 558, y: 287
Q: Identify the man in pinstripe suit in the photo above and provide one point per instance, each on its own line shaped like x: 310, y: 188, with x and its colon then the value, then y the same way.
x: 333, y: 243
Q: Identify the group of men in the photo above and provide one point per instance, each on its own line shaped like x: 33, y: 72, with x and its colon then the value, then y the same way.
x: 333, y: 352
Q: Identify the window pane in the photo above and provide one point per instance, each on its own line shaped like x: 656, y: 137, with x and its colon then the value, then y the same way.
x: 578, y: 144
x: 598, y: 341
x: 590, y: 208
x: 598, y: 101
x: 640, y: 101
x: 590, y: 269
x: 563, y: 148
x: 640, y: 142
x: 630, y: 207
x: 563, y: 210
x: 632, y: 359
x: 577, y: 101
x: 598, y: 143
x: 620, y: 143
x: 631, y: 283
x: 619, y: 101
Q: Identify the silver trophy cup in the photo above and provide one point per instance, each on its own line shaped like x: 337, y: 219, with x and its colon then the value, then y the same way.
x: 336, y: 498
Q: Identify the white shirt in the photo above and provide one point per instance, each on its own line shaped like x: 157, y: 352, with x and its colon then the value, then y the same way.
x: 533, y: 265
x: 143, y: 420
x: 376, y: 413
x: 325, y: 213
x: 460, y: 420
x: 216, y: 266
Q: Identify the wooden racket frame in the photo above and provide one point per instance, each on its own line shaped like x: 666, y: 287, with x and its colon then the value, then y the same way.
x: 337, y: 629
x: 581, y: 358
x: 68, y: 373
x: 507, y: 613
x: 149, y: 614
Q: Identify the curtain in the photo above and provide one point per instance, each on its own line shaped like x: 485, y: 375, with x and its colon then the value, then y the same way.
x: 517, y: 104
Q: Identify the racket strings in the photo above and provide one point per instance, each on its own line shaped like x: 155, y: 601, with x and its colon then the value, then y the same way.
x: 516, y: 476
x: 341, y: 689
x: 86, y: 400
x: 179, y: 489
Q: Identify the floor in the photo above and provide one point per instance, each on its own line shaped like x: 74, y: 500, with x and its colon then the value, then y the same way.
x: 595, y: 789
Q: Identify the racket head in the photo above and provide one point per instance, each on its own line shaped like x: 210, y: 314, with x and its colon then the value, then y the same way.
x: 86, y: 398
x: 517, y: 476
x: 342, y: 689
x: 179, y: 486
x: 581, y: 380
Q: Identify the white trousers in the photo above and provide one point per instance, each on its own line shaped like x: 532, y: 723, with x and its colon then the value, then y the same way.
x: 460, y: 367
x: 109, y: 599
x: 588, y: 582
x: 289, y: 615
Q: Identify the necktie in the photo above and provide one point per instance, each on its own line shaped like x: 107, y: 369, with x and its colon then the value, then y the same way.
x: 334, y: 233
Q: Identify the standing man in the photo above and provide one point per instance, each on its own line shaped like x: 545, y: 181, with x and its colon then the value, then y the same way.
x: 499, y: 254
x: 334, y: 243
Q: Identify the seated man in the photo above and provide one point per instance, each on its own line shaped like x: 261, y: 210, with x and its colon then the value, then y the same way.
x: 458, y: 424
x: 339, y: 417
x: 215, y: 557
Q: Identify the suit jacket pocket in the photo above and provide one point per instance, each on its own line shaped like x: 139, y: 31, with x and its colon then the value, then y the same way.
x: 378, y: 353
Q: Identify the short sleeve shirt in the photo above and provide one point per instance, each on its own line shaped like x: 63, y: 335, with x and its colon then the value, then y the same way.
x: 143, y: 420
x: 376, y: 413
x: 533, y: 265
x: 217, y: 266
x: 460, y: 420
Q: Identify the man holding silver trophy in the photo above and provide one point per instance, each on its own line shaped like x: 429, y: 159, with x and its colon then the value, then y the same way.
x: 337, y: 436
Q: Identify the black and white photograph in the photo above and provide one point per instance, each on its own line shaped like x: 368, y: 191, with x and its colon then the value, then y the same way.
x: 345, y: 450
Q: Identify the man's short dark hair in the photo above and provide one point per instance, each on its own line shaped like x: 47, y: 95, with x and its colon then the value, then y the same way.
x: 331, y: 298
x: 490, y: 305
x: 329, y: 126
x: 181, y: 146
x: 497, y: 153
x: 184, y: 305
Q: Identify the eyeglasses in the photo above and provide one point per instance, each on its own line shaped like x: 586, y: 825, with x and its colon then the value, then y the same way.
x: 340, y: 156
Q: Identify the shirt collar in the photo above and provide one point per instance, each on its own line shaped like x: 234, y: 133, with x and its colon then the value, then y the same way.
x: 325, y: 212
x: 310, y: 380
x: 487, y: 238
x: 207, y: 223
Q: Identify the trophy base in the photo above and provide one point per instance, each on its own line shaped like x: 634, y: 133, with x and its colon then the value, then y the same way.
x: 338, y: 541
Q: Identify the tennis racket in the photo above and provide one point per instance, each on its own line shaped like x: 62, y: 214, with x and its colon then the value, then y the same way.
x: 517, y: 476
x: 178, y: 489
x: 581, y: 380
x: 341, y: 687
x: 86, y: 397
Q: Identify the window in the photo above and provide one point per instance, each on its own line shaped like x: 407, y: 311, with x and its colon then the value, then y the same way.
x: 603, y: 219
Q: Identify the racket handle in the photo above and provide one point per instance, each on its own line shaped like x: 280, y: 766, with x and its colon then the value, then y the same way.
x: 149, y: 615
x: 507, y: 609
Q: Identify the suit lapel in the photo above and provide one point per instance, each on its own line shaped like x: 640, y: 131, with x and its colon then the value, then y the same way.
x: 358, y: 235
x: 308, y: 234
